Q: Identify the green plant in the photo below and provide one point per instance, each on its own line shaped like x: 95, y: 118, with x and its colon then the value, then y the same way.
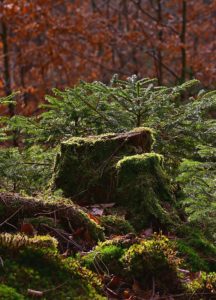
x: 9, y: 293
x: 198, y: 180
x: 114, y: 224
x: 105, y: 258
x: 154, y: 259
x: 26, y: 170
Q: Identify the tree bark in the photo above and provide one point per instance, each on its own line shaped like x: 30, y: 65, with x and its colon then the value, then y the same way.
x: 183, y: 41
x: 160, y: 37
x: 6, y: 63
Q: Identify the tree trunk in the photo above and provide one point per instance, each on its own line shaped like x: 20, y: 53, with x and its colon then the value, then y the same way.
x: 183, y: 41
x: 6, y: 63
x: 160, y: 37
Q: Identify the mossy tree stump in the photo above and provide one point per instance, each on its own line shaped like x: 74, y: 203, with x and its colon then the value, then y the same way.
x: 85, y: 167
x: 117, y: 168
x: 145, y: 189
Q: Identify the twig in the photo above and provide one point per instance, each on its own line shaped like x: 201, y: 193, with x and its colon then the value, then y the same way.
x: 63, y: 237
x: 11, y: 225
x: 5, y: 221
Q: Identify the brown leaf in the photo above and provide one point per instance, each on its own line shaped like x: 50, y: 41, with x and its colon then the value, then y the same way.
x: 93, y: 218
x: 27, y: 229
x: 126, y: 294
x: 114, y: 282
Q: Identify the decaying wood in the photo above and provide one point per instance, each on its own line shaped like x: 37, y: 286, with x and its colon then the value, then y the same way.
x: 70, y: 218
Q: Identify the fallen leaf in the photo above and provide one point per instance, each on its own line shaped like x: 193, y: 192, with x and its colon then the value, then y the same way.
x: 126, y: 294
x: 114, y: 282
x: 93, y: 218
x: 27, y: 229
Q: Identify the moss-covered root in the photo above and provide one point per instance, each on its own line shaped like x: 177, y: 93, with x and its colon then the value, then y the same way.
x: 84, y: 168
x: 47, y: 214
x: 34, y: 263
x: 144, y: 188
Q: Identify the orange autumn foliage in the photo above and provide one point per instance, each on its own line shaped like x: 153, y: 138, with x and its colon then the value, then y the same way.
x: 45, y: 44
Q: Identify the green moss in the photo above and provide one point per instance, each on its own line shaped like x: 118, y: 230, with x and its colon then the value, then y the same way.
x: 203, y: 284
x: 65, y: 214
x: 34, y: 264
x: 195, y: 240
x: 192, y: 258
x: 105, y: 258
x: 145, y: 189
x: 15, y: 242
x: 8, y: 293
x: 85, y: 167
x: 116, y: 225
x: 36, y: 222
x: 155, y: 258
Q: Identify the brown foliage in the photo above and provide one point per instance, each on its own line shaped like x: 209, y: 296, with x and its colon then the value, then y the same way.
x: 45, y: 44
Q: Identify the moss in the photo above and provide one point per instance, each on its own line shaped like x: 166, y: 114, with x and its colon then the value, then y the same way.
x: 154, y: 259
x: 203, y: 284
x: 36, y: 222
x: 145, y: 189
x: 157, y: 260
x: 192, y: 258
x: 9, y: 293
x: 62, y: 213
x: 105, y: 258
x: 116, y: 225
x: 85, y: 167
x: 45, y: 269
x: 195, y: 240
x: 18, y: 241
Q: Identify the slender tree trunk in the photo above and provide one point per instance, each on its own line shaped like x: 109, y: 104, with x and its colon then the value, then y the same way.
x: 183, y: 41
x: 160, y: 37
x: 6, y: 63
x: 6, y: 73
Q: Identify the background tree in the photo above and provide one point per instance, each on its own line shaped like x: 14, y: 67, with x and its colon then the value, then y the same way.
x: 55, y: 44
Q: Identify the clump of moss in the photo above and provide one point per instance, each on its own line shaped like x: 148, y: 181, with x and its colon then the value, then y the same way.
x: 192, y: 258
x: 145, y: 189
x: 9, y: 293
x: 116, y: 225
x: 204, y: 283
x: 38, y: 260
x: 198, y: 243
x: 105, y: 258
x: 154, y: 259
x: 18, y: 241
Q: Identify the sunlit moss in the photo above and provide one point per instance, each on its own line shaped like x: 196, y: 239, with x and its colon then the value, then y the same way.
x: 116, y: 225
x: 144, y: 188
x: 35, y: 263
x: 9, y: 293
x: 154, y: 259
x: 105, y: 258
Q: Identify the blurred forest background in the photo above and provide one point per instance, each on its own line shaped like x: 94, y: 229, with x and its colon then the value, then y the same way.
x: 46, y: 44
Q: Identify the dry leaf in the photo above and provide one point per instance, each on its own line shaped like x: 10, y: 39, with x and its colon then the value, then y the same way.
x: 27, y: 229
